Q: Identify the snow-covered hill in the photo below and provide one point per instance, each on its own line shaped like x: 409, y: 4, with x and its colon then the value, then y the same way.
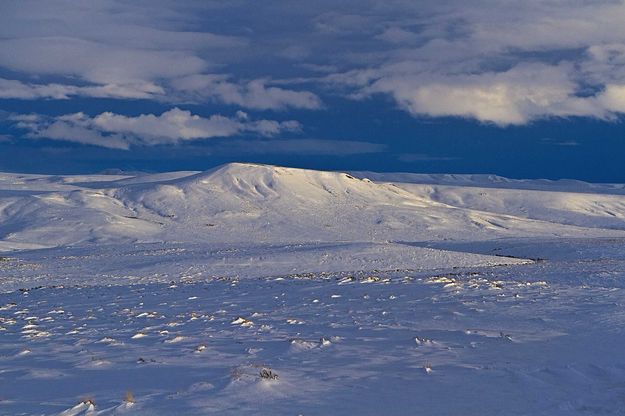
x: 239, y: 203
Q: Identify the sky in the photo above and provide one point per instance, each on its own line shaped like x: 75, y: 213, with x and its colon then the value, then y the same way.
x: 531, y: 89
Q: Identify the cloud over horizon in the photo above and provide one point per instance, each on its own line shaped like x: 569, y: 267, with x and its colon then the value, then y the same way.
x: 117, y: 131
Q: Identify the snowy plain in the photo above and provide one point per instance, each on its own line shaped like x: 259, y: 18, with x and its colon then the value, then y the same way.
x: 364, y: 293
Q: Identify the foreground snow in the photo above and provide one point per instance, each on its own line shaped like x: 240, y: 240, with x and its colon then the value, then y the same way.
x: 263, y: 290
x: 539, y: 339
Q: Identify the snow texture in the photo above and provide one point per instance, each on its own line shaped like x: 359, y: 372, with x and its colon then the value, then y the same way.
x: 254, y: 289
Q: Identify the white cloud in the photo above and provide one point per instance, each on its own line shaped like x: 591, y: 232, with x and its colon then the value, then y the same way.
x: 505, y: 63
x: 16, y: 89
x: 29, y: 91
x: 67, y: 131
x: 254, y: 94
x: 613, y: 98
x: 119, y: 131
x: 523, y: 93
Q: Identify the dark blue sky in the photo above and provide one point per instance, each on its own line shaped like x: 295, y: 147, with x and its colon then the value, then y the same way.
x: 532, y: 90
